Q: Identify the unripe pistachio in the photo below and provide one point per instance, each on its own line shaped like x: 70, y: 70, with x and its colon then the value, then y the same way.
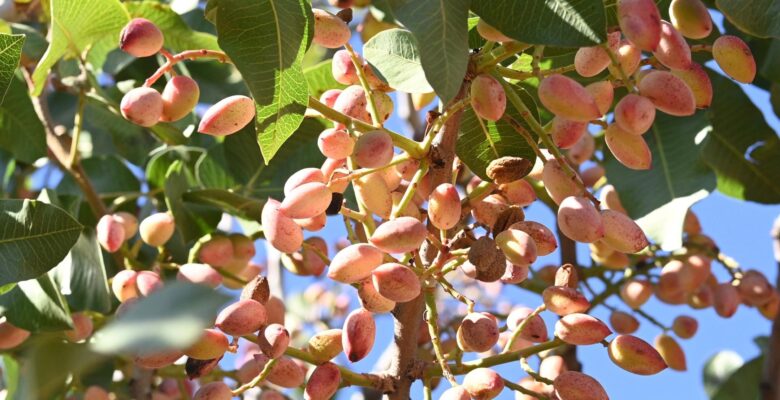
x: 123, y: 284
x: 623, y: 323
x: 273, y: 340
x: 374, y: 149
x: 685, y: 327
x: 557, y: 182
x: 343, y: 69
x: 579, y: 220
x: 735, y: 58
x: 629, y: 57
x: 477, y: 332
x: 669, y: 93
x: 671, y: 352
x: 455, y: 392
x: 444, y: 206
x: 157, y: 360
x: 142, y: 106
x: 214, y: 391
x: 565, y: 97
x: 572, y: 385
x: 371, y: 300
x: 564, y: 300
x: 566, y: 133
x: 110, y: 233
x: 726, y: 299
x: 517, y: 193
x: 487, y: 210
x: 228, y: 116
x: 141, y: 38
x: 490, y: 33
x: 691, y: 18
x: 96, y: 393
x: 635, y: 355
x: 487, y: 259
x: 622, y: 233
x: 82, y: 327
x: 396, y: 282
x: 517, y: 246
x: 354, y: 263
x: 217, y: 251
x: 303, y: 176
x: 673, y: 50
x: 581, y: 329
x: 352, y: 102
x: 636, y: 292
x: 329, y: 30
x: 335, y: 143
x: 179, y: 97
x: 487, y: 97
x: 157, y: 229
x: 582, y: 150
x: 373, y: 191
x: 358, y: 334
x: 483, y: 384
x: 699, y: 82
x: 212, y: 344
x: 323, y: 382
x: 129, y: 223
x: 400, y: 235
x: 329, y: 97
x: 603, y: 93
x: 629, y: 149
x: 590, y: 61
x: 11, y: 336
x: 325, y: 345
x: 241, y: 318
x: 535, y: 330
x: 634, y: 114
x: 306, y: 201
x: 640, y: 22
x: 280, y: 230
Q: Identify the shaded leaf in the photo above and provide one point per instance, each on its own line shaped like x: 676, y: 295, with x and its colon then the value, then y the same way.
x: 171, y: 318
x: 36, y: 305
x: 229, y: 202
x: 571, y: 23
x: 743, y: 384
x: 34, y: 239
x: 162, y: 158
x: 10, y: 51
x: 109, y: 175
x: 757, y: 17
x: 21, y: 132
x: 81, y: 276
x: 192, y: 220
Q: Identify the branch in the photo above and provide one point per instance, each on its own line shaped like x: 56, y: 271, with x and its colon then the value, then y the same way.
x: 771, y: 377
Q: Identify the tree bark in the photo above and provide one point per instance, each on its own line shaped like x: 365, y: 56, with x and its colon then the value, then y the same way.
x: 770, y: 383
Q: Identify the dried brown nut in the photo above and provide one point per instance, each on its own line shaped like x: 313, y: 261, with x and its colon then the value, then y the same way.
x: 507, y: 218
x: 508, y: 169
x: 257, y: 289
x: 488, y: 260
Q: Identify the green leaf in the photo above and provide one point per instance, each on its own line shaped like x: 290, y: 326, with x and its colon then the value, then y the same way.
x: 171, y: 318
x: 475, y: 39
x: 77, y: 24
x: 266, y: 40
x: 230, y: 202
x: 718, y: 368
x: 441, y: 32
x: 21, y: 132
x: 178, y: 36
x: 192, y: 220
x: 744, y: 383
x: 34, y: 239
x: 10, y: 375
x: 320, y: 78
x: 10, y: 51
x: 480, y: 143
x: 742, y: 148
x: 572, y: 23
x: 36, y: 305
x: 394, y: 55
x: 757, y: 17
x: 81, y: 276
x: 677, y: 175
x: 162, y: 158
x: 112, y: 134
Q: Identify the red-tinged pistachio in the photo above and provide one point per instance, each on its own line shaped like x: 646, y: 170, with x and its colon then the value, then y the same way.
x: 518, y: 246
x: 352, y: 102
x: 456, y: 392
x: 673, y: 51
x: 323, y: 382
x: 477, y: 332
x: 444, y: 206
x: 96, y: 393
x: 634, y: 114
x: 572, y: 385
x: 142, y: 106
x: 286, y: 373
x: 581, y: 329
x: 325, y: 345
x: 329, y: 30
x: 566, y: 133
x: 179, y: 97
x: 691, y: 18
x: 241, y: 318
x: 228, y: 116
x: 400, y: 235
x: 110, y: 233
x: 623, y: 323
x: 124, y: 285
x: 635, y: 355
x: 303, y: 176
x: 212, y: 344
x: 11, y: 336
x: 726, y: 299
x: 552, y: 367
x: 374, y: 149
x: 603, y: 93
x: 490, y: 33
x: 487, y: 210
x: 564, y: 300
x: 487, y: 97
x: 358, y: 334
x: 217, y: 251
x: 699, y: 82
x: 371, y: 300
x: 336, y: 143
x: 343, y: 69
x: 354, y: 263
x: 543, y: 237
x: 590, y: 61
x: 273, y: 340
x: 579, y: 219
x: 514, y: 273
x: 157, y: 229
x: 147, y: 282
x: 214, y: 391
x: 640, y: 22
x: 534, y: 330
x: 565, y: 97
x: 396, y: 282
x: 669, y: 93
x: 275, y: 310
x: 82, y: 327
x: 622, y: 233
x: 672, y: 353
x: 558, y: 183
x: 636, y: 292
x: 157, y: 360
x: 141, y: 38
x: 306, y: 201
x: 329, y: 97
x: 373, y: 191
x: 483, y: 384
x: 129, y: 223
x: 754, y: 288
x: 735, y: 58
x: 280, y: 230
x: 630, y: 150
x: 517, y: 193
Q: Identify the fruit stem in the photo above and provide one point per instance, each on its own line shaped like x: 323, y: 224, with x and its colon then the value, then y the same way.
x: 519, y: 75
x: 364, y: 83
x: 259, y: 378
x: 368, y: 221
x: 533, y: 374
x: 518, y: 388
x: 455, y: 294
x: 537, y: 58
x: 184, y: 55
x: 521, y: 326
x: 350, y: 377
x: 410, y: 190
x: 78, y: 122
x: 406, y: 144
x: 439, y: 122
x: 503, y: 358
x: 701, y: 47
x: 432, y: 319
x: 499, y: 54
x: 616, y: 63
x: 367, y: 171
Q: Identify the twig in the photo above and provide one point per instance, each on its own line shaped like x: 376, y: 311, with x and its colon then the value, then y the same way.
x: 184, y: 55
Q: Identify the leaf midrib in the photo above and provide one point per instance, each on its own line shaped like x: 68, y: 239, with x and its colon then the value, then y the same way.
x: 39, y: 235
x: 664, y: 163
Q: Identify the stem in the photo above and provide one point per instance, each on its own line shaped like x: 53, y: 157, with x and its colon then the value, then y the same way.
x: 616, y: 63
x: 410, y: 190
x: 532, y: 373
x: 184, y: 55
x: 364, y: 83
x: 78, y: 122
x: 259, y: 378
x: 499, y: 54
x: 368, y: 220
x: 518, y: 388
x: 652, y: 320
x: 433, y: 328
x: 519, y: 75
x: 771, y: 374
x: 503, y: 358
